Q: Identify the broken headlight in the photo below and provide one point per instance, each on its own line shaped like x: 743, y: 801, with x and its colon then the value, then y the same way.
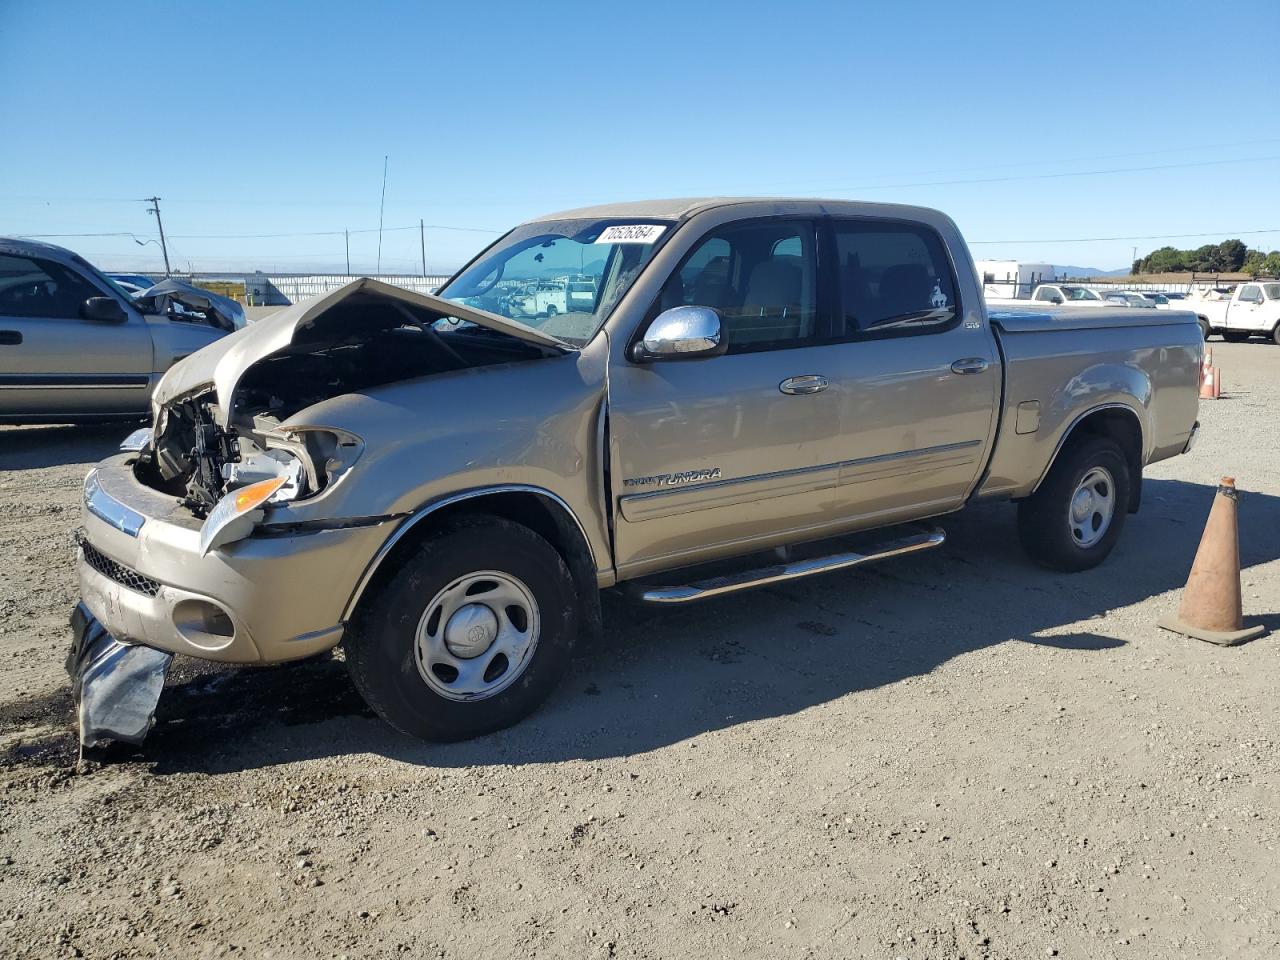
x: 295, y: 463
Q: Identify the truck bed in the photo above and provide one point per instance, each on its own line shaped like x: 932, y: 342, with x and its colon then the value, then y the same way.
x: 1151, y: 355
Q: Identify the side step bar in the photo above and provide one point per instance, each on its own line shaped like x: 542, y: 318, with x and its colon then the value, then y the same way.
x: 779, y: 573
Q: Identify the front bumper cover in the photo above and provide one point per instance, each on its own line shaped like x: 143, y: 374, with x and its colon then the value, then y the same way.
x: 116, y: 686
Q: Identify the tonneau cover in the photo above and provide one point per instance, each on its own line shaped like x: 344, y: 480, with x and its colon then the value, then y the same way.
x: 1084, y: 318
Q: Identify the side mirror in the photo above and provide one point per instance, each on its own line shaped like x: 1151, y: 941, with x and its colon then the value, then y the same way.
x: 103, y: 310
x: 1056, y: 299
x: 681, y: 333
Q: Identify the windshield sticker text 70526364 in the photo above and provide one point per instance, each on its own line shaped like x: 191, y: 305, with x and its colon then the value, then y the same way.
x: 631, y: 233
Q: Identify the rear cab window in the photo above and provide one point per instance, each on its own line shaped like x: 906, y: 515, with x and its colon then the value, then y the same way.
x: 893, y: 278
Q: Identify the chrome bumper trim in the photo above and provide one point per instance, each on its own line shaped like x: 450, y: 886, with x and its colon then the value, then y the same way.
x: 110, y: 510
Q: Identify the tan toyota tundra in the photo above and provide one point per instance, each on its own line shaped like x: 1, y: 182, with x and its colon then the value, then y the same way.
x: 444, y: 489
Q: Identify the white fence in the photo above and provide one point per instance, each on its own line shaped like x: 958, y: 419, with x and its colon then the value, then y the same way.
x: 267, y: 290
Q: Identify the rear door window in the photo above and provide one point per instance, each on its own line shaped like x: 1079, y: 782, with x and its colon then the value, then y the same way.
x: 894, y: 278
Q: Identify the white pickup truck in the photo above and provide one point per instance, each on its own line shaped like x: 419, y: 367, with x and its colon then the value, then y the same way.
x: 1252, y: 310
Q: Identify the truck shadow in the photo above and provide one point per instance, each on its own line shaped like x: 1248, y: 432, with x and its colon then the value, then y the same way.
x: 38, y: 447
x: 662, y: 676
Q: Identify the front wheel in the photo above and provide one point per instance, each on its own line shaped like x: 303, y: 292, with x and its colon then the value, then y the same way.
x: 1073, y: 521
x: 471, y: 634
x: 1205, y: 329
x: 1275, y: 335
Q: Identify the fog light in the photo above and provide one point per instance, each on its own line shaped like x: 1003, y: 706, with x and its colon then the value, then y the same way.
x: 204, y: 624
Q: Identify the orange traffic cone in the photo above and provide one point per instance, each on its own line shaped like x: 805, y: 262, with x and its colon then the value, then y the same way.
x: 1211, y: 608
x: 1209, y: 389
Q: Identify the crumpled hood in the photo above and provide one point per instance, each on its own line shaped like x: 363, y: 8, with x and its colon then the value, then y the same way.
x: 225, y: 361
x: 227, y: 312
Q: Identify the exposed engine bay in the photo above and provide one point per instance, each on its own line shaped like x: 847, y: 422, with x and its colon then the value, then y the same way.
x: 364, y: 341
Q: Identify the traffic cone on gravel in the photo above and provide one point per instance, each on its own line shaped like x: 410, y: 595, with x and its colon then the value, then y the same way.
x: 1210, y: 383
x: 1211, y: 609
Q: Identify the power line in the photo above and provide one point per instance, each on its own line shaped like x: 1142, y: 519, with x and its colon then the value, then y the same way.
x: 1156, y: 236
x: 265, y: 236
x: 1059, y: 176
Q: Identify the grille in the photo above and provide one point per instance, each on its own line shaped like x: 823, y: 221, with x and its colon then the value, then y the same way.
x: 118, y: 571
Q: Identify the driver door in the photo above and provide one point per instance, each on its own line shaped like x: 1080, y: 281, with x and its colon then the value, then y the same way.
x: 721, y: 455
x: 53, y: 361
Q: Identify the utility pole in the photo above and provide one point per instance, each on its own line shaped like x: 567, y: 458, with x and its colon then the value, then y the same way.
x: 422, y: 238
x: 346, y: 234
x: 155, y: 208
x: 382, y: 204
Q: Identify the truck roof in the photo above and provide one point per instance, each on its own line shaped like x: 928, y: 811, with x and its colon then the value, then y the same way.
x: 681, y: 207
x: 23, y: 247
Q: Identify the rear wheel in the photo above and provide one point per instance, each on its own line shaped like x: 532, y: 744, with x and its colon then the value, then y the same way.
x: 1073, y: 521
x: 470, y: 635
x: 1205, y: 329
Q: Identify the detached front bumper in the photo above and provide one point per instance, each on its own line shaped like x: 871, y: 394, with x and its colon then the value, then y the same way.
x: 264, y: 599
x: 116, y: 686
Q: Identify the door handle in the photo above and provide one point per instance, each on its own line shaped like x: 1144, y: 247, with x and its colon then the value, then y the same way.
x: 10, y: 338
x: 803, y: 386
x: 969, y: 365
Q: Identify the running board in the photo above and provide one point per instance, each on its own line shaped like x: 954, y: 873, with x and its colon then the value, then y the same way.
x: 780, y: 573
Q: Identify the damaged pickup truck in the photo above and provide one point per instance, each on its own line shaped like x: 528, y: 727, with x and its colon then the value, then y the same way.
x: 444, y: 489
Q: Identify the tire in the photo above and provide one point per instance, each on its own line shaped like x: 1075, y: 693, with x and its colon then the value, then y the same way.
x: 1236, y: 336
x: 401, y: 646
x: 1275, y: 335
x: 1205, y: 330
x: 551, y: 310
x: 1047, y: 526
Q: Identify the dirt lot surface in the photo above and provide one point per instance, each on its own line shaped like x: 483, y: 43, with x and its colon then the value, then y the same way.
x: 950, y: 755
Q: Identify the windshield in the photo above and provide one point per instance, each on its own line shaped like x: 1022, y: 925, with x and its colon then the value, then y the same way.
x: 106, y: 281
x: 562, y: 277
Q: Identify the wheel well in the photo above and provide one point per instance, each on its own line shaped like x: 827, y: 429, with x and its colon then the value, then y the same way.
x: 1122, y: 426
x: 540, y: 513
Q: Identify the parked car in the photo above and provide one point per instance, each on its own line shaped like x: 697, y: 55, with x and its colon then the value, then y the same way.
x: 132, y: 289
x: 1129, y: 298
x: 1250, y: 310
x: 542, y: 298
x: 139, y: 280
x: 1067, y: 294
x: 75, y: 347
x: 444, y: 491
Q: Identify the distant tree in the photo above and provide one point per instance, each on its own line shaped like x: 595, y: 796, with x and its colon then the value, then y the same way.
x: 1271, y: 265
x: 1231, y: 254
x: 1205, y: 258
x: 1164, y: 260
x: 1254, y: 263
x: 1136, y: 268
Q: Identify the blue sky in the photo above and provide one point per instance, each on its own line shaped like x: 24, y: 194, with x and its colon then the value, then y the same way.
x: 274, y: 118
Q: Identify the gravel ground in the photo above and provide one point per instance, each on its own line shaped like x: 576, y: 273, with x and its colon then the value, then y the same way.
x: 949, y: 755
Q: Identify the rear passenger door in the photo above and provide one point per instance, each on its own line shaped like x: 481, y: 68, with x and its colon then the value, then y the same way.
x: 53, y: 361
x: 919, y: 378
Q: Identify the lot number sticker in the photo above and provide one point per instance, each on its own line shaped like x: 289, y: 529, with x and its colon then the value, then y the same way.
x: 632, y: 233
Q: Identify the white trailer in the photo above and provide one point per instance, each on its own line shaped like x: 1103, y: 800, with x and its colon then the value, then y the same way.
x: 1012, y: 279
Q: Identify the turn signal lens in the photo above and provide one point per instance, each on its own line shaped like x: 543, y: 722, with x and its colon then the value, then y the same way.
x: 233, y: 517
x: 256, y: 494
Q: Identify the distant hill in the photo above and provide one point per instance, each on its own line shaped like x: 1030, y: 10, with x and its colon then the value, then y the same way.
x: 1090, y: 272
